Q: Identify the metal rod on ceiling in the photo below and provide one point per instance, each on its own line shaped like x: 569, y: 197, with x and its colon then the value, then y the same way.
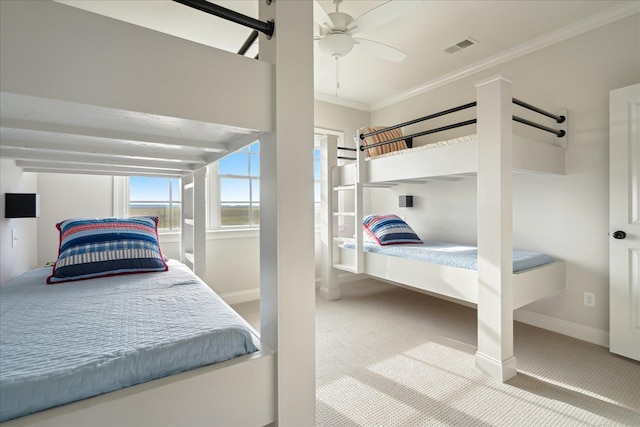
x: 231, y: 15
x: 421, y: 119
x: 558, y: 119
x: 559, y: 133
x: 247, y: 44
x: 426, y: 132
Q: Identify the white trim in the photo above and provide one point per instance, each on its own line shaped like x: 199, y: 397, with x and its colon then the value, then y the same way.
x: 547, y: 40
x: 241, y: 296
x: 235, y: 233
x: 564, y: 327
x: 342, y: 102
x: 169, y: 236
x: 120, y: 196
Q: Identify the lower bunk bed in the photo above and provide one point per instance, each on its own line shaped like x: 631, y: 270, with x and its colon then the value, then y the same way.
x: 158, y: 348
x: 451, y: 269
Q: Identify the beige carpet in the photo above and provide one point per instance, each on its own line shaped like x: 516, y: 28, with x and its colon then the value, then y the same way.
x: 387, y: 356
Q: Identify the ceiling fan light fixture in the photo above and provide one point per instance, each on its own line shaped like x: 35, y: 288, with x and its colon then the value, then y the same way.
x: 336, y: 44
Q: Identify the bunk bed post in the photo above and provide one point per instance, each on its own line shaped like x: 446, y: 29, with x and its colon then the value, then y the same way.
x: 287, y: 276
x: 495, y: 229
x: 359, y: 204
x: 329, y: 285
x: 200, y: 223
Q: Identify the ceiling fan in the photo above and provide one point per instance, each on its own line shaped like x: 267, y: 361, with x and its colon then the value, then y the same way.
x: 338, y: 29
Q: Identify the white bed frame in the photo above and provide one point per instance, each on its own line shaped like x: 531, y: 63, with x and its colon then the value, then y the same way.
x: 495, y: 289
x: 66, y: 72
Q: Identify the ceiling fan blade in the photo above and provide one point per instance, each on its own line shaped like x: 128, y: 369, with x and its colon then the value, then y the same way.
x: 379, y: 50
x: 382, y: 14
x: 320, y: 16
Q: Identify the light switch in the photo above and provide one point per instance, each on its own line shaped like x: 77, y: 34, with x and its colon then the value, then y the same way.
x: 14, y: 238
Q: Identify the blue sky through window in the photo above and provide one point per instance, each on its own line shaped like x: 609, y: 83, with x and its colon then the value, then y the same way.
x: 150, y: 189
x: 147, y: 189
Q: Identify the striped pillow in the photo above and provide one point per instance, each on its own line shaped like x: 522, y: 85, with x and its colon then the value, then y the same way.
x: 384, y: 136
x: 100, y: 247
x: 389, y: 230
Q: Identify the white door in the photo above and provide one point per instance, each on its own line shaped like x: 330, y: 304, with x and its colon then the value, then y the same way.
x: 624, y: 221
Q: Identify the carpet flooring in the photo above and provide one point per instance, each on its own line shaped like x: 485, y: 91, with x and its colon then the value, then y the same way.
x: 388, y: 356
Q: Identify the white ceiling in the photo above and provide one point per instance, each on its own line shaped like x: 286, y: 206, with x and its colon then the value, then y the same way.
x: 502, y: 28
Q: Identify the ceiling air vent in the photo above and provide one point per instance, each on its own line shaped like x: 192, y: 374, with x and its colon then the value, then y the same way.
x: 461, y: 45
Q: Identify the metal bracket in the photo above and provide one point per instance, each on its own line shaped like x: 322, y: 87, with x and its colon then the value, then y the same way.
x: 563, y: 141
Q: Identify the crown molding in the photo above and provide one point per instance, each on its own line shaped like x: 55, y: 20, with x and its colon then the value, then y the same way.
x: 596, y: 21
x: 342, y: 102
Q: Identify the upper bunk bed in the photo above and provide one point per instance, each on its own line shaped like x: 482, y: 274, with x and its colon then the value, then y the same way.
x: 391, y: 157
x: 85, y: 94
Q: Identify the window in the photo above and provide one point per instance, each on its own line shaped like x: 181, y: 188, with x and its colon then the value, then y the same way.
x: 239, y: 188
x: 156, y: 196
x: 316, y: 183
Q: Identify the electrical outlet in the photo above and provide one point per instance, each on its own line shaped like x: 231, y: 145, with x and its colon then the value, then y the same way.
x: 589, y: 299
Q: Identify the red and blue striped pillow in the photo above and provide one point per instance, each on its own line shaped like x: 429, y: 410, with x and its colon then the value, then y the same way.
x: 389, y: 230
x: 99, y: 247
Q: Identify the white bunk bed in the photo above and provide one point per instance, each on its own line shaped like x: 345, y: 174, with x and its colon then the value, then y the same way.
x: 492, y: 155
x: 86, y: 94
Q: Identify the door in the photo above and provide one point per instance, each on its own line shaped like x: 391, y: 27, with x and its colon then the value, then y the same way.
x: 624, y: 221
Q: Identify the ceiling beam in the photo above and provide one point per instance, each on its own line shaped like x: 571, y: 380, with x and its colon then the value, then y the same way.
x: 51, y: 157
x: 60, y: 167
x: 56, y: 143
x: 214, y: 146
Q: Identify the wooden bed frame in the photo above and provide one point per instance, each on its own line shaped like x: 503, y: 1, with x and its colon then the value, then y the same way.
x: 494, y: 288
x: 47, y: 70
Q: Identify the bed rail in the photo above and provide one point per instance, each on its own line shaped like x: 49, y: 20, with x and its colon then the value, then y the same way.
x: 231, y: 15
x: 559, y: 119
x: 346, y: 149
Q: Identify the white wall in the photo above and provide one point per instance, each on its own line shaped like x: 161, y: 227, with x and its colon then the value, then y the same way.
x: 65, y: 196
x: 565, y: 216
x: 343, y: 119
x: 16, y: 260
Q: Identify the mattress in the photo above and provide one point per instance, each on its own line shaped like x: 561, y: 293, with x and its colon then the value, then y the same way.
x: 453, y: 141
x: 69, y: 341
x: 452, y: 254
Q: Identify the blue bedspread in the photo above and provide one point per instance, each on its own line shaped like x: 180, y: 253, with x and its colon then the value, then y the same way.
x: 453, y: 255
x: 65, y: 342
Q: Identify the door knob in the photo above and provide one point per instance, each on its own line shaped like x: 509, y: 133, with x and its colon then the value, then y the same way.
x: 619, y: 235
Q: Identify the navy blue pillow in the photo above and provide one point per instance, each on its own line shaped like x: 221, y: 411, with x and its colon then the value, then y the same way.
x: 101, y: 247
x: 389, y: 230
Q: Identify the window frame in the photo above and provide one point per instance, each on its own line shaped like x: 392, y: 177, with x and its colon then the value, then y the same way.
x: 122, y: 199
x: 214, y: 192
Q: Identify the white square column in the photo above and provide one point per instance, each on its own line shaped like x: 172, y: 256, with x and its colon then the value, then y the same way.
x: 495, y: 229
x: 287, y: 264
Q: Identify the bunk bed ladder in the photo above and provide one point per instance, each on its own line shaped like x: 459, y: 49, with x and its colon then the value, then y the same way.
x: 193, y: 235
x: 340, y: 213
x: 344, y: 197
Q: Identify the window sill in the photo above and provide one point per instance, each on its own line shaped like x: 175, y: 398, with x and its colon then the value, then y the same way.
x: 236, y: 233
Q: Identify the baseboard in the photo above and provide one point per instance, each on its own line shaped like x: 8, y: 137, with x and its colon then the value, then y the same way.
x: 344, y: 278
x: 241, y: 296
x: 564, y: 327
x: 350, y: 277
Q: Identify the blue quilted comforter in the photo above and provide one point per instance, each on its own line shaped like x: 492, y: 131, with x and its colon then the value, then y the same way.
x: 69, y: 341
x: 453, y: 255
